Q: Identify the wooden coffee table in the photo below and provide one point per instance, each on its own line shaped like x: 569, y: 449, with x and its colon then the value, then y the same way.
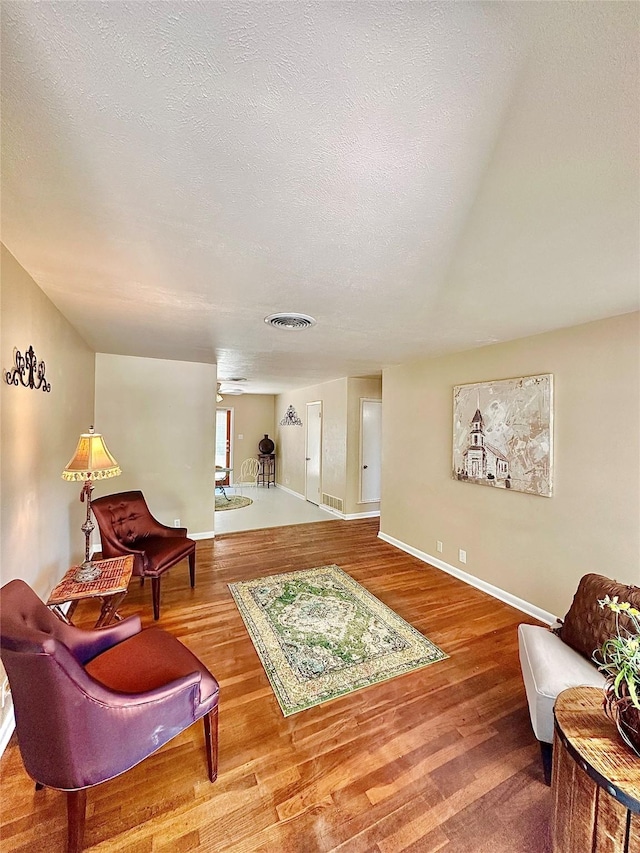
x: 596, y: 779
x: 111, y: 587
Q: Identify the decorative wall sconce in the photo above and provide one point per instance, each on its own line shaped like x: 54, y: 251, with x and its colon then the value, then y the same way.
x: 28, y: 371
x: 291, y: 418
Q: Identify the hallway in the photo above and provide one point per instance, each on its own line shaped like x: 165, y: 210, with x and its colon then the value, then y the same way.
x: 270, y: 508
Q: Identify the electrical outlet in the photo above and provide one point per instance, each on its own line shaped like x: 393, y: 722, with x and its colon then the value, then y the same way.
x: 240, y: 436
x: 439, y: 546
x: 176, y: 522
x: 462, y: 556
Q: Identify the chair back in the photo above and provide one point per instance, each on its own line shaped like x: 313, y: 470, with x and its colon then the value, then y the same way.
x: 249, y: 470
x: 124, y: 517
x: 26, y: 623
x: 124, y: 522
x: 43, y: 658
x: 90, y: 705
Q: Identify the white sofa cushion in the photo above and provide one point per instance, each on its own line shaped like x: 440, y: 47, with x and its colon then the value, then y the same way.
x: 549, y: 666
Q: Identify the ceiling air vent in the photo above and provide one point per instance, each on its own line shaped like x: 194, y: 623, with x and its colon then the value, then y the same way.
x: 290, y: 320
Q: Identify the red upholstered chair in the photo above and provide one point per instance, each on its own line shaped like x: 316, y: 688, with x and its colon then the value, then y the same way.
x: 127, y: 527
x: 90, y: 705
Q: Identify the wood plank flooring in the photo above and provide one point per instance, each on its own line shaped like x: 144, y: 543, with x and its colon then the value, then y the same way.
x: 442, y: 759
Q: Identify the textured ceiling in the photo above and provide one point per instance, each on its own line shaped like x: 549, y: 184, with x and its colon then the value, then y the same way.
x: 420, y: 177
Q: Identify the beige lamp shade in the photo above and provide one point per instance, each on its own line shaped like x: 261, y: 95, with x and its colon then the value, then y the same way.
x: 92, y: 460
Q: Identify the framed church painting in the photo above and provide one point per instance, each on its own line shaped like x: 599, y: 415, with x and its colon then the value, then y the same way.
x: 503, y: 434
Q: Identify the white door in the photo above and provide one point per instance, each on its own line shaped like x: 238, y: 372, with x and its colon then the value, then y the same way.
x: 370, y: 449
x: 313, y: 453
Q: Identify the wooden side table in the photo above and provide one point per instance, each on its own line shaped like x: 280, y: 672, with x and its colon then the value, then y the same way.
x: 267, y: 470
x: 596, y: 779
x: 111, y: 587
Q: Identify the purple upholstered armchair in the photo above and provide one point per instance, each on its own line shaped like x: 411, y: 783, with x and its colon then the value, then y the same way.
x: 90, y: 705
x: 127, y: 527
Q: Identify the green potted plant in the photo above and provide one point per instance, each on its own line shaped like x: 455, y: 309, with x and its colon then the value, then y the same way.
x: 619, y: 660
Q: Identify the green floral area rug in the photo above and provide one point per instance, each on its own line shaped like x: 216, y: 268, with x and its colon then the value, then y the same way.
x: 232, y: 502
x: 320, y: 634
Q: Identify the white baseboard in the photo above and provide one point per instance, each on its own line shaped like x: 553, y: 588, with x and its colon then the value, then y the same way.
x: 350, y: 516
x: 302, y: 498
x: 7, y: 729
x: 334, y: 512
x: 344, y: 516
x: 490, y: 589
x: 374, y: 513
x: 290, y: 491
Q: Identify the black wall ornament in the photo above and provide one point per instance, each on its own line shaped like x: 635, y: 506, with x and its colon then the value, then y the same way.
x: 291, y: 418
x: 28, y: 372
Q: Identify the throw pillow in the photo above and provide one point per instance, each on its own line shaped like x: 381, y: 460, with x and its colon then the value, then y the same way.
x: 586, y: 626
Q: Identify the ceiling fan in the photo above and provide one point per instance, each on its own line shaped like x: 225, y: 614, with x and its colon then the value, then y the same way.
x: 229, y: 388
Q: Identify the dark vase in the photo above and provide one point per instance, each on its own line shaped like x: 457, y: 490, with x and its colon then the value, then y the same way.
x: 624, y: 714
x: 266, y: 445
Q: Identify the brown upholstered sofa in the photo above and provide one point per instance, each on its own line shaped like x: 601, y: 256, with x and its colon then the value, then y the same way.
x: 554, y: 659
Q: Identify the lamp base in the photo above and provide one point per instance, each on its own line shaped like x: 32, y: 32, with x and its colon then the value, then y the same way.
x: 87, y: 572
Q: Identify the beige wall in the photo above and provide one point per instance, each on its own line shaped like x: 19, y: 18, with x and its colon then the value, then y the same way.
x: 41, y: 513
x: 340, y: 438
x: 290, y: 440
x: 535, y: 548
x: 253, y: 416
x: 357, y: 390
x: 158, y: 419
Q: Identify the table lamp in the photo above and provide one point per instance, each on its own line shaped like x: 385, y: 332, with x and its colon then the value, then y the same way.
x: 91, y: 461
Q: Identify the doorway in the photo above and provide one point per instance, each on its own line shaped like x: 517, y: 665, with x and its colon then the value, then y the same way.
x: 370, y: 449
x: 313, y: 453
x: 223, y: 443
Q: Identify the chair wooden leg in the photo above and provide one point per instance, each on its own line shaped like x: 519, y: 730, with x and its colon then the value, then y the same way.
x: 76, y: 812
x: 192, y: 569
x: 211, y: 742
x: 155, y: 594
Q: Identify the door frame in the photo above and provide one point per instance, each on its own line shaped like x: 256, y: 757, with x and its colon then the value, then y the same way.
x: 306, y: 450
x: 229, y: 453
x: 361, y: 443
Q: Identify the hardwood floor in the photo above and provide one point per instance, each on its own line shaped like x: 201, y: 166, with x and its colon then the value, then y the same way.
x: 441, y: 759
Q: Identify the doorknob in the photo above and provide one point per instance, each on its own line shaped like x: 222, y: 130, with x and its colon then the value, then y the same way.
x: 365, y: 466
x: 307, y: 459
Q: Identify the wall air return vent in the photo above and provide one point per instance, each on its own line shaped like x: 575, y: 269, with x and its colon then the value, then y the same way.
x: 290, y: 320
x: 332, y: 502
